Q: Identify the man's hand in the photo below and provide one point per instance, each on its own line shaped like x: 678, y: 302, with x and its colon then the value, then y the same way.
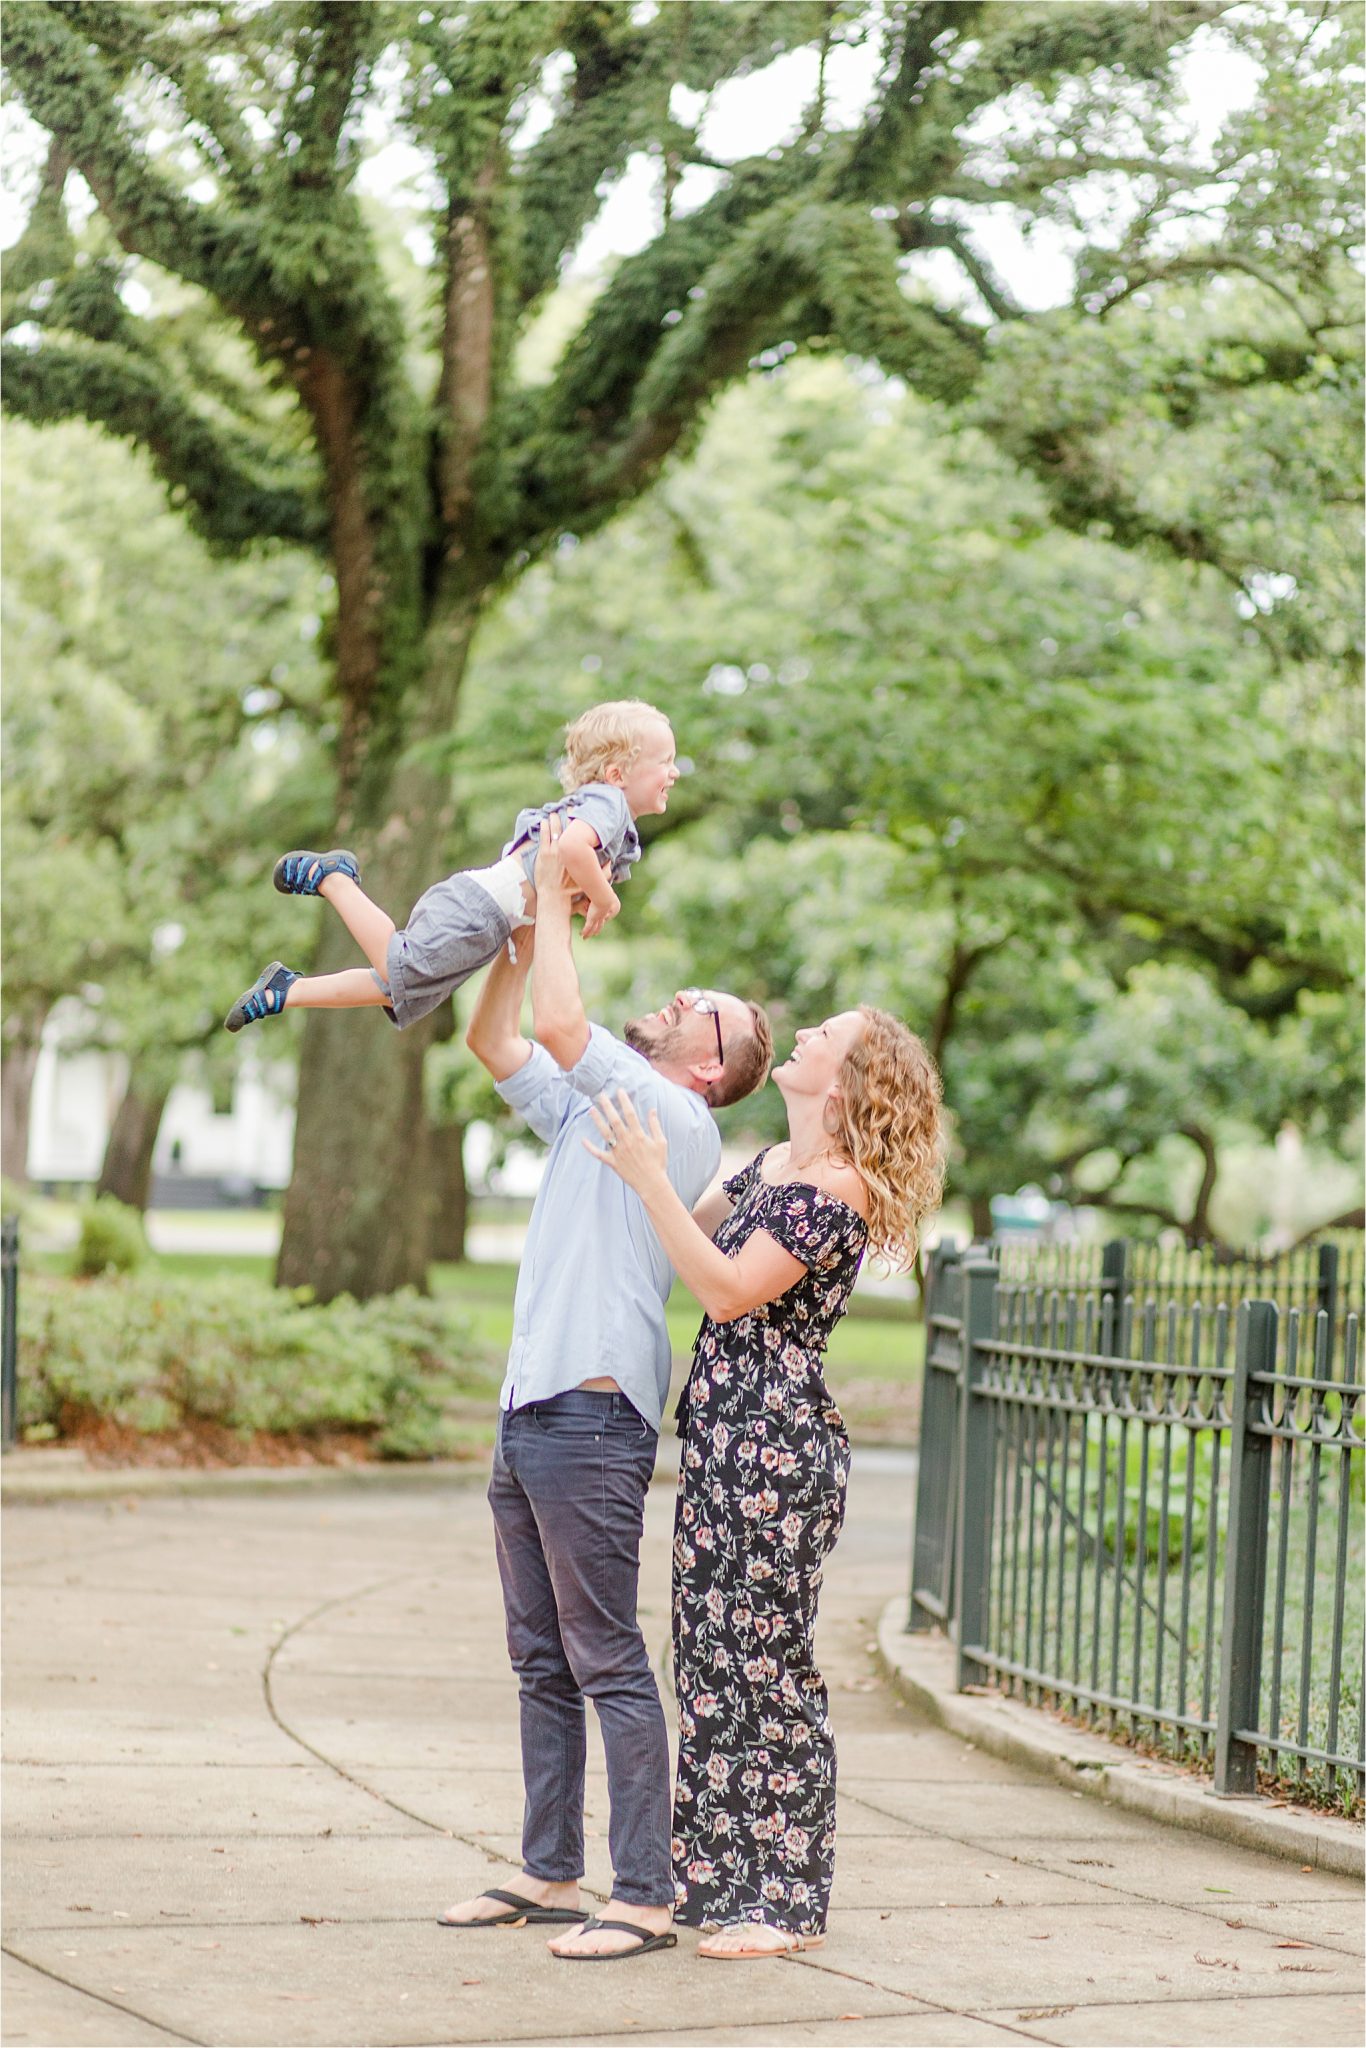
x: 553, y: 885
x: 561, y: 1024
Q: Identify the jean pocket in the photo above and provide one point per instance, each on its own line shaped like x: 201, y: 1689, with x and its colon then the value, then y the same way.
x: 629, y: 1427
x: 568, y: 1424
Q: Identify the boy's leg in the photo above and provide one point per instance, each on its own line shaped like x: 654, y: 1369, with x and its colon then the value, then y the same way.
x: 370, y: 927
x: 355, y: 988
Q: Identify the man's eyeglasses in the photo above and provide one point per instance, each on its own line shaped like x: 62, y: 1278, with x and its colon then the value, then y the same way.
x: 705, y: 1006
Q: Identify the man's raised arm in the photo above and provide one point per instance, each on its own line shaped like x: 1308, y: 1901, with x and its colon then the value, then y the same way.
x: 495, y: 1028
x: 558, y: 1016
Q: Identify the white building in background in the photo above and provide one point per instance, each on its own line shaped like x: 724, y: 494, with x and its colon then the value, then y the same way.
x: 228, y: 1142
x: 239, y: 1137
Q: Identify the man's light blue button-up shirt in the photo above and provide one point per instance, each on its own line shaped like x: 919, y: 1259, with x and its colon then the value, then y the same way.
x: 594, y: 1278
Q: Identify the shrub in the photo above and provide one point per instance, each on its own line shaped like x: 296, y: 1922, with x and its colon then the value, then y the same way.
x: 153, y: 1351
x: 112, y: 1238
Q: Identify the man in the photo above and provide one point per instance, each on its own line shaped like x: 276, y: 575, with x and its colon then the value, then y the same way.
x: 581, y: 1404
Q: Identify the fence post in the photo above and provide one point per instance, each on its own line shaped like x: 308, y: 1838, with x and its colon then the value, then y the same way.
x: 9, y: 1330
x: 976, y: 1472
x: 1114, y: 1266
x: 1249, y: 1502
x: 932, y: 1541
x: 1327, y: 1303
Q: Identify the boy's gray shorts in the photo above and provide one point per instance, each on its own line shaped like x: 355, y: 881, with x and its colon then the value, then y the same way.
x: 455, y: 929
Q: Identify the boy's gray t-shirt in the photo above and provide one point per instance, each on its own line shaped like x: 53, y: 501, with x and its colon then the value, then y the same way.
x: 594, y: 1278
x: 601, y: 805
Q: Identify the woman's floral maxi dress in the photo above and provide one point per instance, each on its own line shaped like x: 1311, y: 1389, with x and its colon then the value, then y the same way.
x: 765, y: 1462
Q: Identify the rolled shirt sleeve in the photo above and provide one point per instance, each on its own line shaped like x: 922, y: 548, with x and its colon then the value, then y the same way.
x: 539, y: 1093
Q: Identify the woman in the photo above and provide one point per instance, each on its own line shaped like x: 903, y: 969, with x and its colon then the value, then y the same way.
x: 766, y: 1458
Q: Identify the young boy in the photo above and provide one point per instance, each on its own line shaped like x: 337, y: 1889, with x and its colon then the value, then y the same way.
x: 618, y: 764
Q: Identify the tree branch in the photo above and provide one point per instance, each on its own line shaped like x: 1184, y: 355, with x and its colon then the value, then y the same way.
x: 800, y: 268
x: 468, y: 347
x: 914, y: 231
x: 134, y: 35
x: 1137, y: 277
x: 1198, y: 1227
x: 1350, y: 1219
x: 332, y: 44
x: 234, y: 491
x: 613, y: 104
x: 70, y: 93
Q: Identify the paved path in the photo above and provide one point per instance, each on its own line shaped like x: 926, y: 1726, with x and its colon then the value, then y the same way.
x: 253, y: 1743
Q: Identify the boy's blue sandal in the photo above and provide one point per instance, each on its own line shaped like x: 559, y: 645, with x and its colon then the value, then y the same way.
x: 298, y: 874
x: 265, y: 997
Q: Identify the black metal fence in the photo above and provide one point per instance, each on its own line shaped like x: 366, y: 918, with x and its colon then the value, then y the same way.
x: 9, y: 1329
x: 1146, y: 1512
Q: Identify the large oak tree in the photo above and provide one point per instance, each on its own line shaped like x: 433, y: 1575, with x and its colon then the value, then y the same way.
x: 221, y: 143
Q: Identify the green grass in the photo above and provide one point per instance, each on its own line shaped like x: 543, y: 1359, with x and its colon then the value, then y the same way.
x: 879, y: 1342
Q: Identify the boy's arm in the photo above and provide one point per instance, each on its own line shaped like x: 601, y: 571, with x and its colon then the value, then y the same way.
x: 495, y: 1028
x: 558, y: 1016
x: 579, y: 845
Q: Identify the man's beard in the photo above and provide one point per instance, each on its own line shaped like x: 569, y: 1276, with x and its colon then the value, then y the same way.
x: 648, y: 1035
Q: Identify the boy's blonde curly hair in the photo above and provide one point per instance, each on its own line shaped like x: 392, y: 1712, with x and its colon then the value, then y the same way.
x: 888, y: 1119
x: 608, y: 735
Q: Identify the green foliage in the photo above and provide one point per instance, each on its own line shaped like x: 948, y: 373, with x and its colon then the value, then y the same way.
x: 155, y: 1351
x: 112, y: 1239
x: 996, y: 706
x: 159, y: 725
x: 1128, y: 1501
x: 1025, y: 788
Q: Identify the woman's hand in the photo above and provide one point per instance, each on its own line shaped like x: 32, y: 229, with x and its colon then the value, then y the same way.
x: 636, y: 1155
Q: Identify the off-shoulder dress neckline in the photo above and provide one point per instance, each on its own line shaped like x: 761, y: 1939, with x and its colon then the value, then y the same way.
x: 821, y: 1193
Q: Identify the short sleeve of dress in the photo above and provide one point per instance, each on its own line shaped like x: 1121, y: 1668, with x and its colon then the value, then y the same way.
x: 816, y: 1230
x: 740, y: 1183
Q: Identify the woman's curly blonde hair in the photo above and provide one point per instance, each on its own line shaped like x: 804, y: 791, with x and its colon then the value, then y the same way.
x: 608, y: 735
x: 888, y: 1119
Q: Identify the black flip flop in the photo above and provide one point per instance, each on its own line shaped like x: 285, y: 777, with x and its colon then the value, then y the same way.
x: 521, y: 1913
x: 644, y: 1941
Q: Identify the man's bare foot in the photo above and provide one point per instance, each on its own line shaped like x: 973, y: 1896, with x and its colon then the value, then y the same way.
x: 611, y: 1941
x: 536, y: 1891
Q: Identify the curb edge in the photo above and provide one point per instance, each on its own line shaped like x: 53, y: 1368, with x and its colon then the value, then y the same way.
x: 920, y: 1668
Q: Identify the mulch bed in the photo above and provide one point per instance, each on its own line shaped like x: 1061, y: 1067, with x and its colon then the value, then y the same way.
x: 210, y: 1445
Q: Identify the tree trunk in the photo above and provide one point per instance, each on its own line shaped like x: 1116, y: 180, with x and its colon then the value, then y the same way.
x: 981, y: 1215
x: 22, y: 1043
x: 359, y: 1209
x: 450, y: 1193
x: 450, y: 1213
x: 127, y: 1169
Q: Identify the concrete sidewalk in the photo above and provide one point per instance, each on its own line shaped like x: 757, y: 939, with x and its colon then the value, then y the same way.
x: 255, y: 1742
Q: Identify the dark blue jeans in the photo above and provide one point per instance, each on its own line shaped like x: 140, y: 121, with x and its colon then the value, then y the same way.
x: 568, y: 1499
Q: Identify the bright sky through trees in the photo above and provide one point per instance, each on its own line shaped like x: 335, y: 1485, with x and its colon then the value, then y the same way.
x: 743, y: 116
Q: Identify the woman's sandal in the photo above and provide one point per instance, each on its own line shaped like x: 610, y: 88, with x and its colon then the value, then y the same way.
x: 300, y: 873
x: 789, y: 1943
